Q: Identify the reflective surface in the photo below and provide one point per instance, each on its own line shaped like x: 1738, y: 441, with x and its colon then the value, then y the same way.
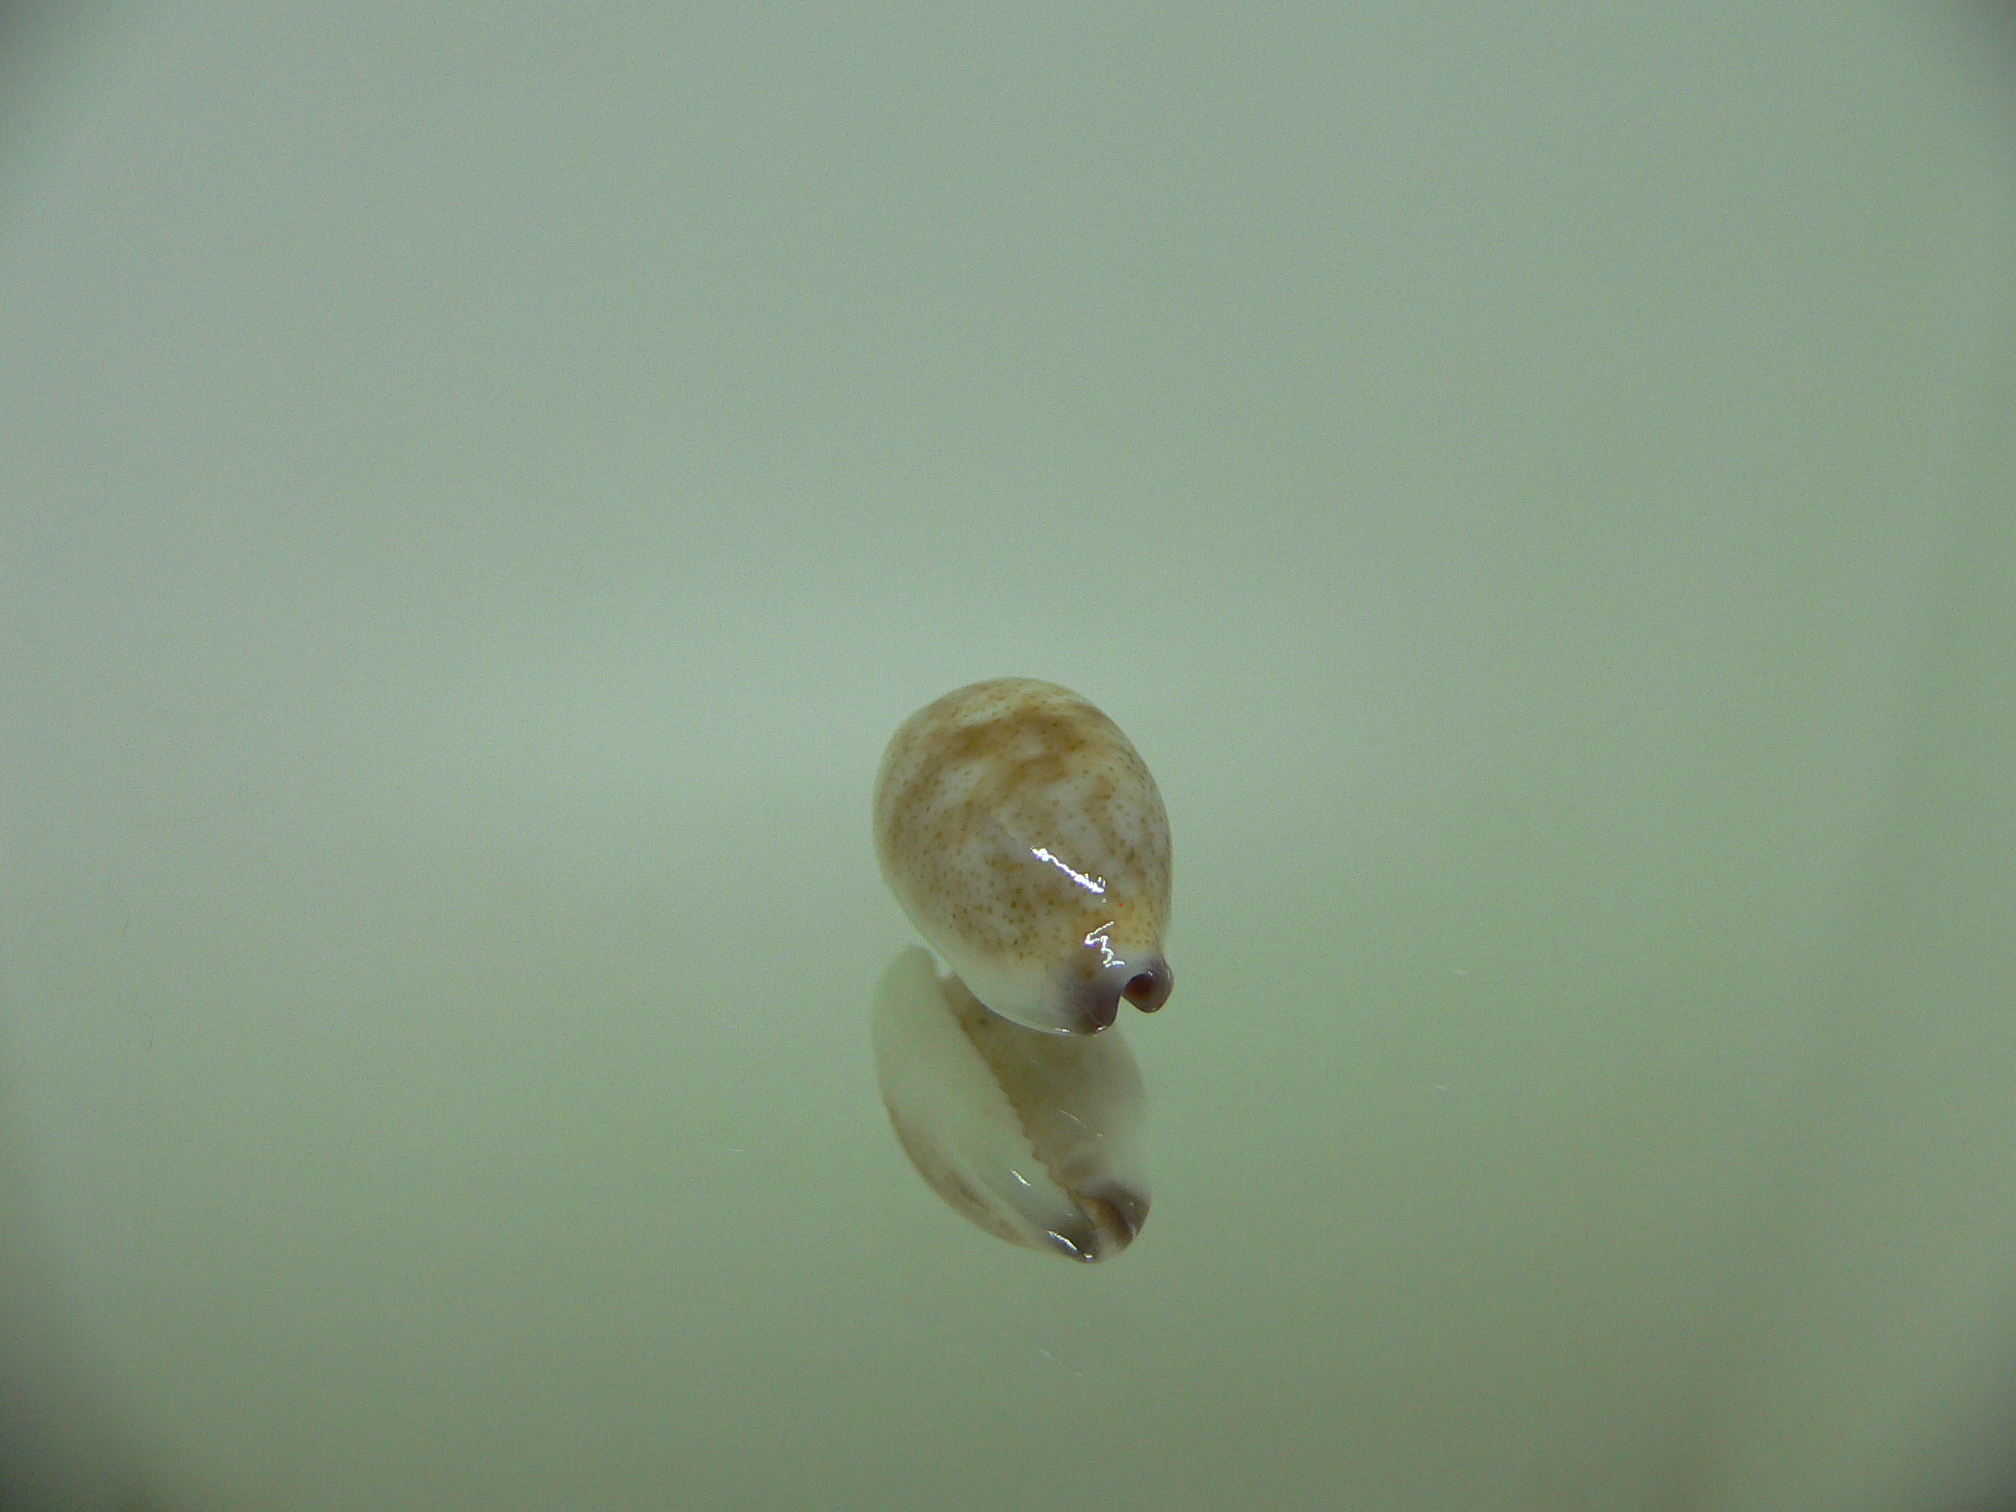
x: 1032, y: 1137
x: 479, y: 486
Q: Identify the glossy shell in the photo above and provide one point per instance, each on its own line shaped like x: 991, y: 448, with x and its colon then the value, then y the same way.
x: 1023, y: 835
x: 1029, y: 1136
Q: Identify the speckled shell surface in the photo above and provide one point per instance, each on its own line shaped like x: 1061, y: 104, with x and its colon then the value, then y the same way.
x: 1023, y: 835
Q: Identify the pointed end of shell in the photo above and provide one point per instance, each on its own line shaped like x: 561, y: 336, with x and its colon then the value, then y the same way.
x: 1146, y: 984
x: 1128, y: 1210
x: 1150, y: 986
x: 1109, y: 1220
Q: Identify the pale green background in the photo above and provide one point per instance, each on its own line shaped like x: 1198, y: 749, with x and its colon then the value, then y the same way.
x: 479, y: 484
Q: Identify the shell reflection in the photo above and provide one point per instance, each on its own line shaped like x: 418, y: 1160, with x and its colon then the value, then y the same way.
x: 1030, y: 1136
x: 1025, y: 838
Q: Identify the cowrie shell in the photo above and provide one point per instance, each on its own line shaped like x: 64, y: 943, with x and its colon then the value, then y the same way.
x: 1029, y: 1136
x: 1023, y: 835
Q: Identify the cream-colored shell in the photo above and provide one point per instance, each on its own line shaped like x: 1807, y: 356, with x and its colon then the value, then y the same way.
x: 1032, y: 1137
x: 1026, y: 840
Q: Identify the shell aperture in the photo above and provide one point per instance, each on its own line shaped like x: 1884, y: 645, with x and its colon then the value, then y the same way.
x: 1025, y: 838
x: 1029, y: 1136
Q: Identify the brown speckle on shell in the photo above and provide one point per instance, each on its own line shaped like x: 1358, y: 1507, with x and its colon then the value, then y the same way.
x: 1015, y: 822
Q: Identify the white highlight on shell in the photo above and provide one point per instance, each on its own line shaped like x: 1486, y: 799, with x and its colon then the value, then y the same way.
x: 1025, y: 838
x: 1090, y: 884
x: 1029, y: 1136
